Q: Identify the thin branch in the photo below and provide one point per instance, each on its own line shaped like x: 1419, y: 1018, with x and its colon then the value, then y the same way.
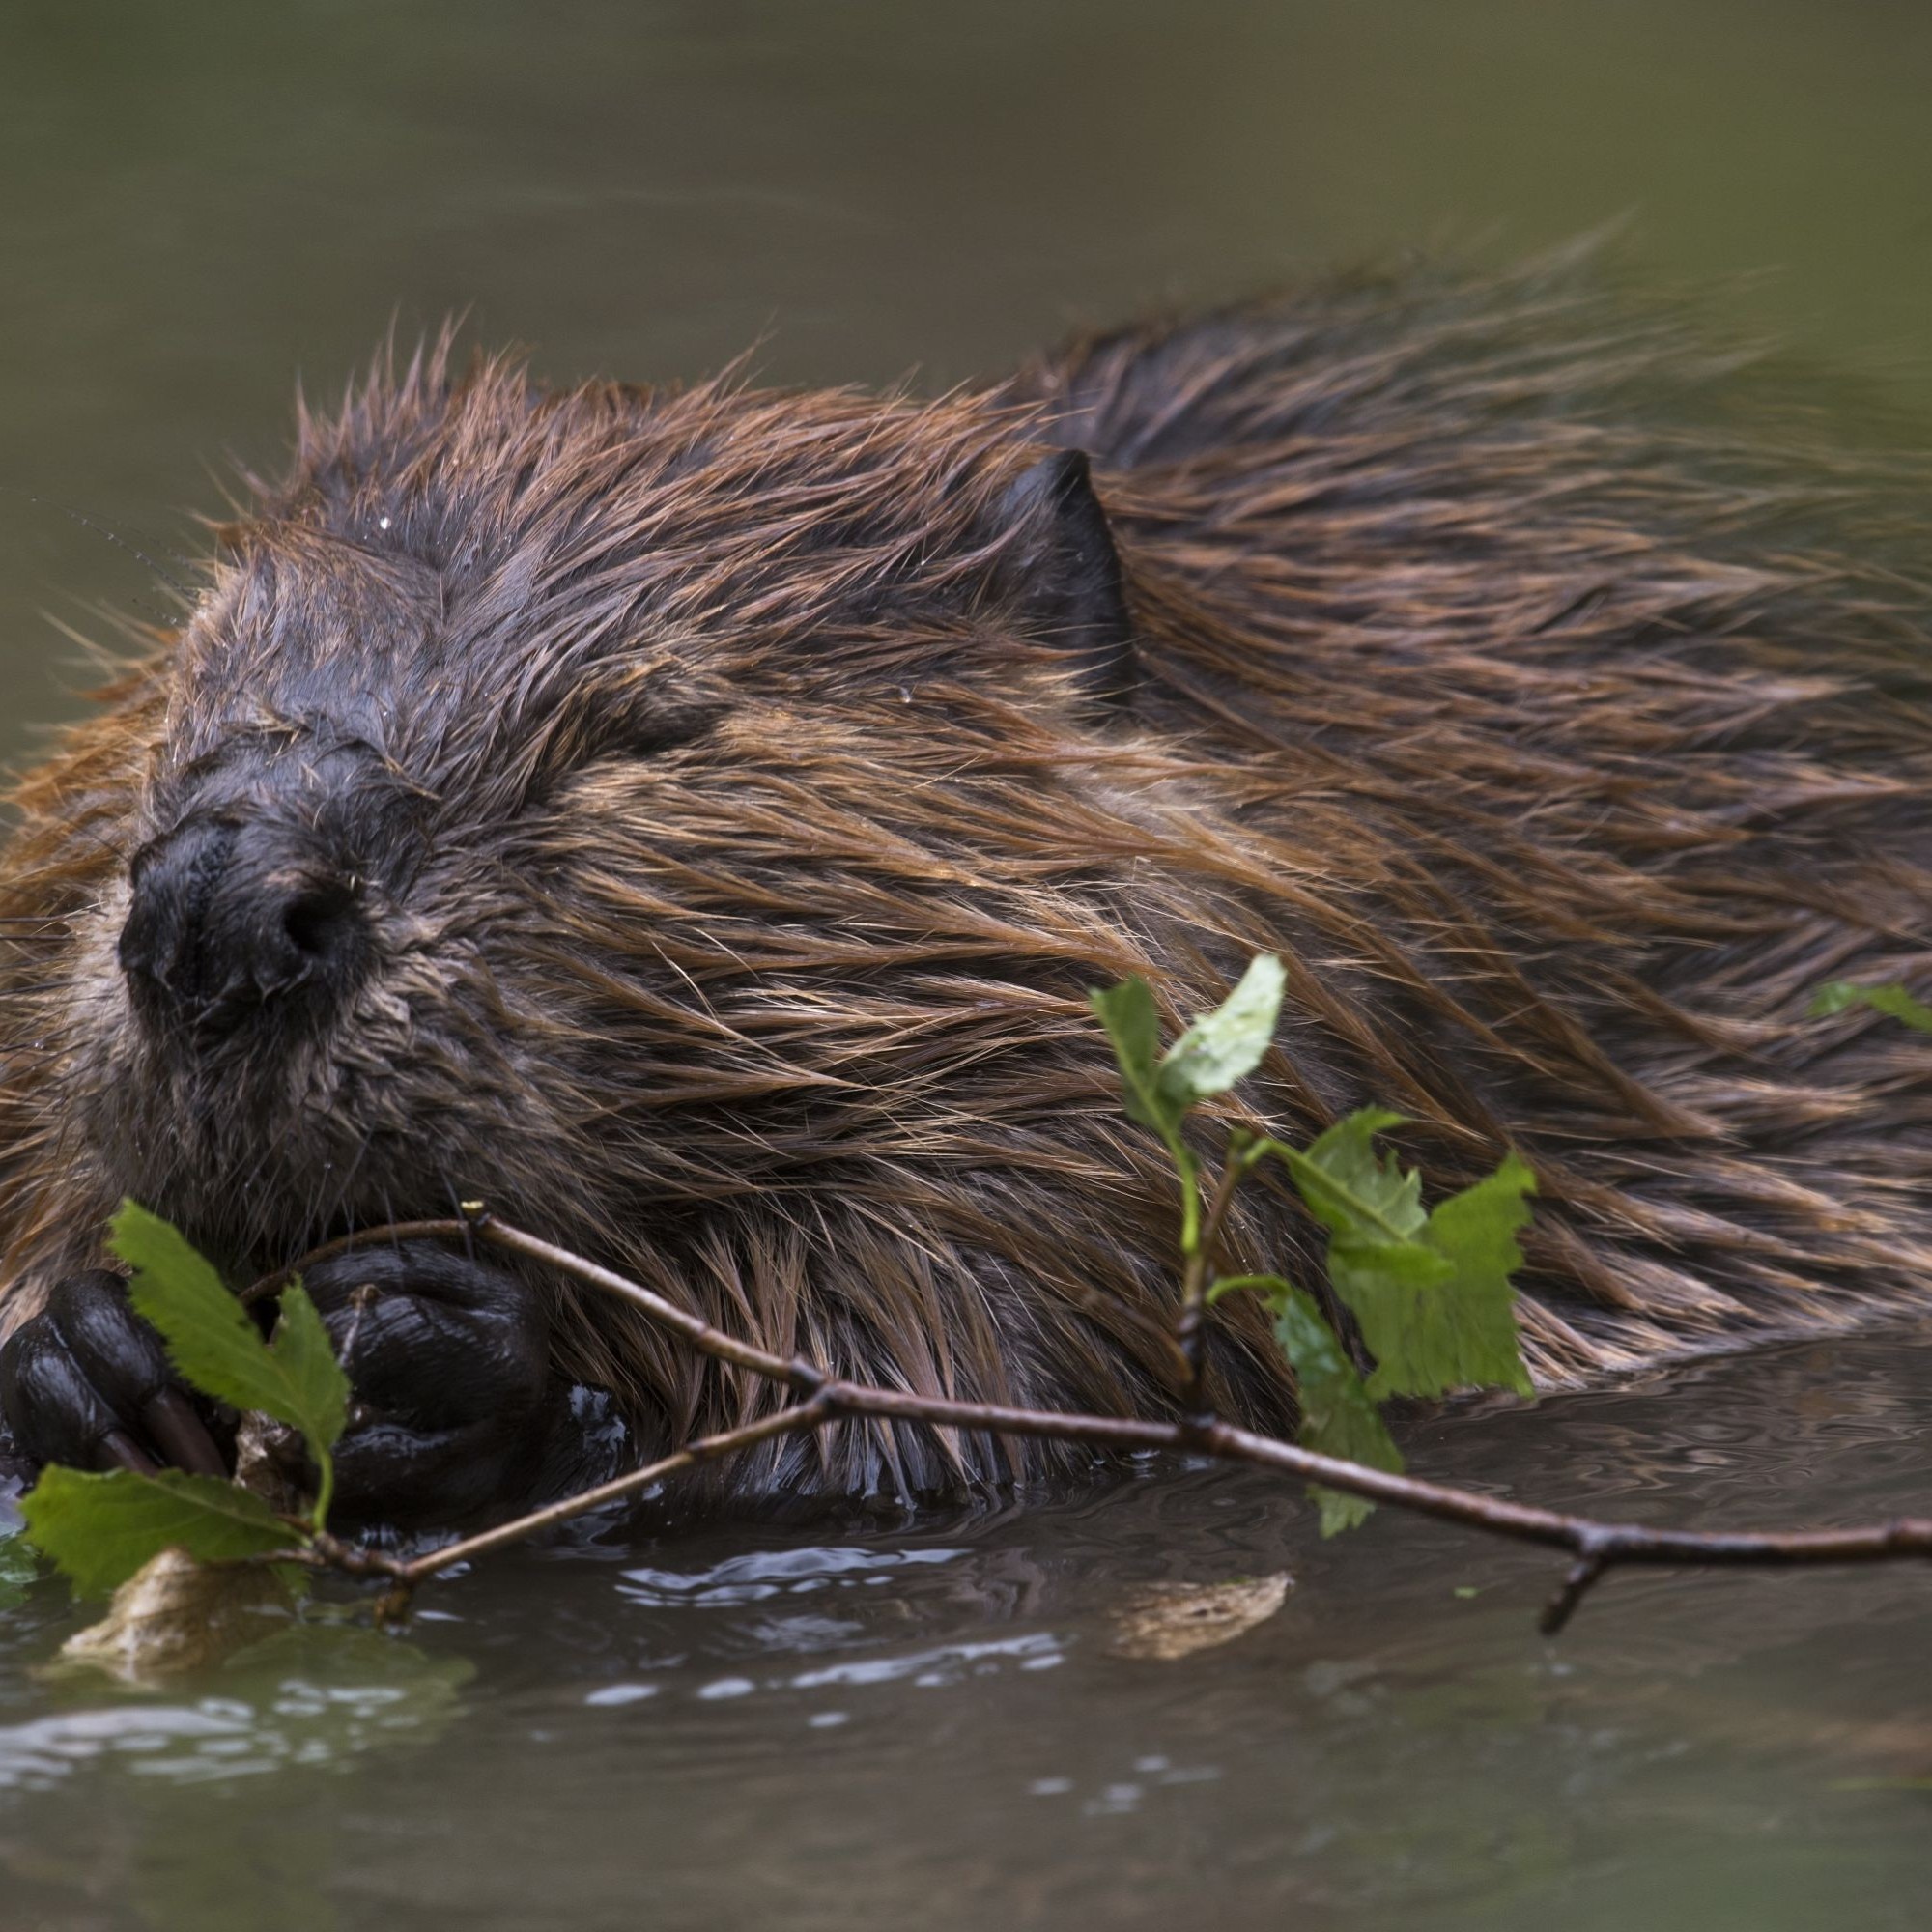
x: 1596, y: 1545
x: 805, y: 1415
x: 1574, y: 1587
x: 389, y: 1233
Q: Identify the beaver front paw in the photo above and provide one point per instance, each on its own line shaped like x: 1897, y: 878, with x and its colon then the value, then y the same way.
x: 455, y: 1407
x: 87, y: 1383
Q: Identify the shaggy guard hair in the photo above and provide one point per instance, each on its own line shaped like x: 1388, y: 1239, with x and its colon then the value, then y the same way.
x: 740, y: 820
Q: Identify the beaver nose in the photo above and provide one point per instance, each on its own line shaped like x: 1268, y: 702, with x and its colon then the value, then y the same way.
x: 229, y: 916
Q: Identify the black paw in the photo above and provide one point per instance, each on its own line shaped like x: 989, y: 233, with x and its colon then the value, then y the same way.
x: 455, y: 1407
x: 87, y: 1383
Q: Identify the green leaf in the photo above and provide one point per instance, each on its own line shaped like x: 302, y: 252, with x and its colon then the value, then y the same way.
x: 1837, y: 996
x: 1216, y: 1051
x: 1226, y: 1045
x: 1431, y: 1291
x: 1338, y: 1418
x: 1355, y: 1196
x: 1462, y: 1333
x: 302, y: 1346
x: 214, y: 1344
x: 101, y: 1529
x: 1133, y: 1026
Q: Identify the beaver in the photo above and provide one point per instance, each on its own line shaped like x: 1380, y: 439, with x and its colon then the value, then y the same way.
x: 690, y: 819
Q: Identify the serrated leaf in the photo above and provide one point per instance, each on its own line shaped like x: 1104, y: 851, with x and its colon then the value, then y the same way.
x: 1133, y: 1027
x: 1338, y: 1417
x: 1461, y: 1332
x: 214, y: 1344
x: 1357, y: 1196
x: 101, y: 1529
x: 1838, y: 996
x: 303, y: 1347
x: 1226, y: 1045
x: 1431, y: 1291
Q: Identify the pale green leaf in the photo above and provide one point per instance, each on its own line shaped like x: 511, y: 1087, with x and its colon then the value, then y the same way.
x: 1226, y: 1045
x: 101, y: 1529
x: 1837, y: 996
x: 1439, y: 1313
x: 302, y: 1348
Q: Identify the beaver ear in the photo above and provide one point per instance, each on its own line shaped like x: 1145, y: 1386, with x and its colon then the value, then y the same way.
x: 1066, y: 572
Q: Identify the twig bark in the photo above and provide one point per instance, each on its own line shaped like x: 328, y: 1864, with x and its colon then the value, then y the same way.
x: 803, y: 1415
x: 1597, y: 1546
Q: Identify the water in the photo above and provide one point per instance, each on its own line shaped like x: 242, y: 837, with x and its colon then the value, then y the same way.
x: 922, y: 1723
x: 925, y: 1722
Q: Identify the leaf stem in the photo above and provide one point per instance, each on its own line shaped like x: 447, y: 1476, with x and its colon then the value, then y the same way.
x: 324, y: 1487
x: 1192, y: 1329
x: 1190, y: 1199
x: 1234, y: 1284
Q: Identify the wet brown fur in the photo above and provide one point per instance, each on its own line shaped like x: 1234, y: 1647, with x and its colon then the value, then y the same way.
x: 1548, y: 687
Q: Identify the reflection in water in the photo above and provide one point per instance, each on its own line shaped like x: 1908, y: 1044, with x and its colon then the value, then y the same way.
x: 174, y: 1802
x: 16, y: 1569
x: 315, y: 1695
x: 787, y: 1573
x: 753, y: 1723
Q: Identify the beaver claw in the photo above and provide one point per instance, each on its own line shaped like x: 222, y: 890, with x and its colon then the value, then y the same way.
x: 449, y: 1360
x: 87, y: 1383
x: 454, y: 1404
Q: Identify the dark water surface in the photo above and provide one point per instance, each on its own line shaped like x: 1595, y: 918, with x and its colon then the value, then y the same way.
x: 922, y: 1723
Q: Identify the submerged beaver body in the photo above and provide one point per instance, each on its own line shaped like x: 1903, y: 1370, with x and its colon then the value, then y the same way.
x: 690, y: 820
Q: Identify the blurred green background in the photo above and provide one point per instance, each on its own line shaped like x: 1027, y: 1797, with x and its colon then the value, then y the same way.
x: 198, y: 203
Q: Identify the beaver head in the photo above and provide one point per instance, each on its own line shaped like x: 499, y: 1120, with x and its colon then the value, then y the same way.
x: 618, y: 806
x: 513, y: 739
